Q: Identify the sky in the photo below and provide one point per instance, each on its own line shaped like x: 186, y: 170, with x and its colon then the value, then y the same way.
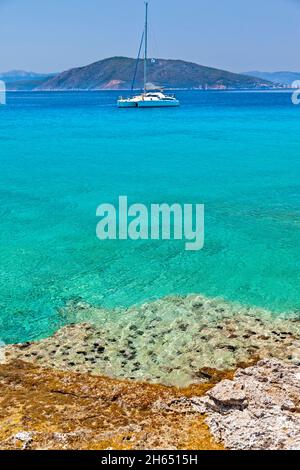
x: 236, y: 35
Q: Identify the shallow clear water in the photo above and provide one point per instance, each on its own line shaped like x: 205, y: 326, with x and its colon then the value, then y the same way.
x: 63, y: 154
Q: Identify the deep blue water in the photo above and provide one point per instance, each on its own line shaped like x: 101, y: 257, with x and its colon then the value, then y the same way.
x: 63, y: 154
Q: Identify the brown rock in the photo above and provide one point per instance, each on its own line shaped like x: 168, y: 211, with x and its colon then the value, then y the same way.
x: 47, y: 409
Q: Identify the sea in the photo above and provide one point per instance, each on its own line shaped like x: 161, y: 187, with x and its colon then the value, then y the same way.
x: 62, y: 154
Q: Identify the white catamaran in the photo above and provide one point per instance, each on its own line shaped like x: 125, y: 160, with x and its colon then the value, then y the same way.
x: 152, y: 96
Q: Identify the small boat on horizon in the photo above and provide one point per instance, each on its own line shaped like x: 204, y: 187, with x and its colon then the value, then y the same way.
x: 152, y: 96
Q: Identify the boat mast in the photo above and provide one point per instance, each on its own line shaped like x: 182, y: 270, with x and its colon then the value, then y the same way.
x: 146, y: 47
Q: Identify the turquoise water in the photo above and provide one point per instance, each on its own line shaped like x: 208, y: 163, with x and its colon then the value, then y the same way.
x: 63, y: 154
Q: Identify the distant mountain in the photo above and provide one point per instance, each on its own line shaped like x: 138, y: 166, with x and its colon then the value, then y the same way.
x: 25, y: 85
x: 21, y: 75
x: 283, y: 78
x: 117, y: 73
x: 20, y: 80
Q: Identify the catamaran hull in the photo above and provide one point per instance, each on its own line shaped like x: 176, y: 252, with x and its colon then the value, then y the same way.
x: 148, y: 104
x: 127, y: 104
x: 158, y: 104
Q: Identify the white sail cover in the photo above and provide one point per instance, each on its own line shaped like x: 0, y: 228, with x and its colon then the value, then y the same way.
x: 152, y: 87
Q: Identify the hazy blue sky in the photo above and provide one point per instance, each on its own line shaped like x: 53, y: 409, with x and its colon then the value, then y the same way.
x: 239, y: 35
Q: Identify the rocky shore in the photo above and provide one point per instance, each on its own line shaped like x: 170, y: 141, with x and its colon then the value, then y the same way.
x: 179, y: 373
x: 50, y: 409
x: 258, y: 410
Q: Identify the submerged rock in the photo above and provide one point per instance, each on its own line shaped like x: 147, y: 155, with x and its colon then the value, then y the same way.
x: 168, y: 341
